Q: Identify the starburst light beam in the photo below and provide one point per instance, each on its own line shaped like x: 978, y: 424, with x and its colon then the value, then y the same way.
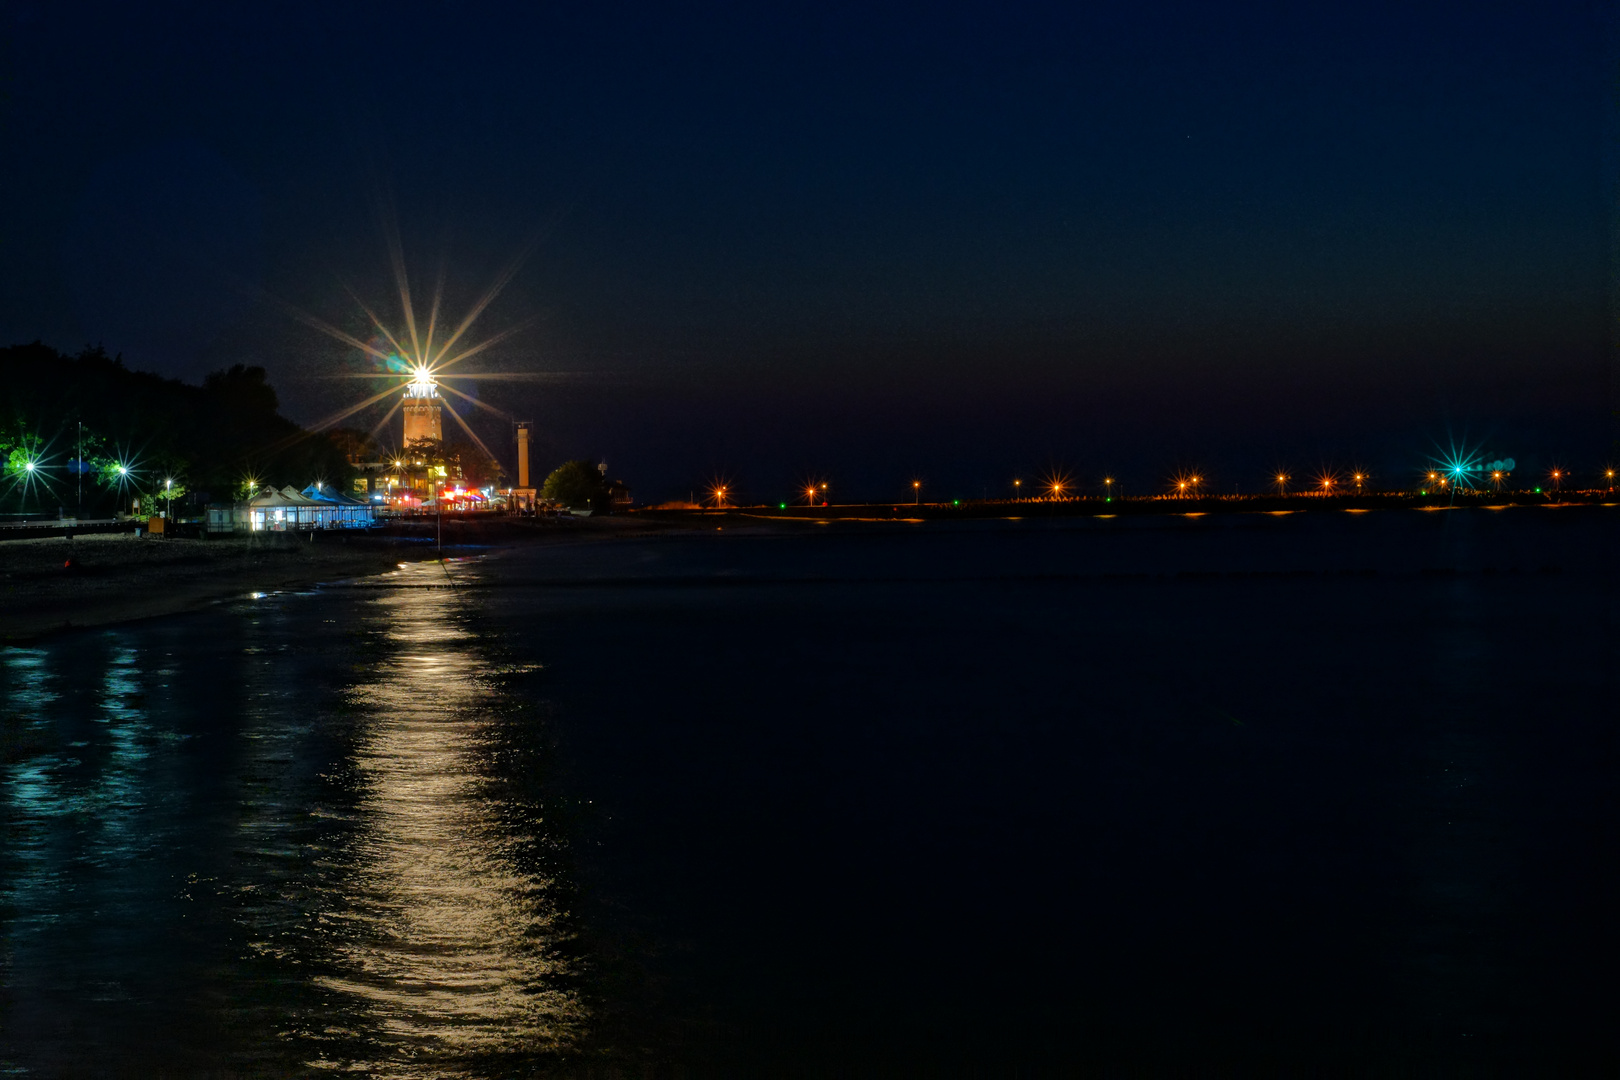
x: 433, y: 312
x: 440, y: 365
x: 321, y: 425
x: 504, y: 278
x: 387, y: 416
x: 381, y: 329
x: 485, y: 376
x: 396, y: 256
x: 475, y: 401
x: 324, y: 327
x: 473, y: 434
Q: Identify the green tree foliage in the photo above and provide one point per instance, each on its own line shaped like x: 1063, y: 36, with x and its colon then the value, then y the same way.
x: 212, y: 437
x: 168, y: 494
x: 577, y: 484
x: 18, y: 452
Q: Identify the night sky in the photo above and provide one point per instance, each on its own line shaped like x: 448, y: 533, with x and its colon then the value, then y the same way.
x: 952, y: 242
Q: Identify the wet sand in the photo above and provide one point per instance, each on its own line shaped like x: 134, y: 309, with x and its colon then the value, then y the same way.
x: 49, y: 585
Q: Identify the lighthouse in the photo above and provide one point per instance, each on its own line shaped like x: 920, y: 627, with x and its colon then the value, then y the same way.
x: 422, y: 409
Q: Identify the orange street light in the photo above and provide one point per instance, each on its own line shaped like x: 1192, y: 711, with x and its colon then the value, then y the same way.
x: 916, y: 493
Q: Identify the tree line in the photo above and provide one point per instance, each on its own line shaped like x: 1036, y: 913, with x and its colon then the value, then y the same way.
x: 87, y: 427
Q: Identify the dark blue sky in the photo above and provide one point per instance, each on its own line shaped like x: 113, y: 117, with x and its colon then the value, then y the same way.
x: 951, y: 241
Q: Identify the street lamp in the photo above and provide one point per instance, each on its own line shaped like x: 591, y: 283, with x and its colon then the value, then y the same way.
x: 1108, y: 488
x: 916, y: 493
x: 1018, y: 483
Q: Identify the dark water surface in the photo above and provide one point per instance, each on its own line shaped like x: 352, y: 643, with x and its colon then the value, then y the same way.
x: 1325, y: 794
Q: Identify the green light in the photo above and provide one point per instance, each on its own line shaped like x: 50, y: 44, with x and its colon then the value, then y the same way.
x: 1423, y: 493
x: 1109, y: 499
x: 956, y: 502
x: 781, y: 506
x: 1538, y: 491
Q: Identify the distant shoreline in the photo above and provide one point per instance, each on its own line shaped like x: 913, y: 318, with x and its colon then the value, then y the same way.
x: 1132, y: 506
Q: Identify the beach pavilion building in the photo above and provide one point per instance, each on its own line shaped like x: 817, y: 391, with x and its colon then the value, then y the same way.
x: 340, y: 511
x: 287, y: 509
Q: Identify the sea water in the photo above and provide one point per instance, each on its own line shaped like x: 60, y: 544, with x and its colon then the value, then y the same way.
x: 1163, y: 794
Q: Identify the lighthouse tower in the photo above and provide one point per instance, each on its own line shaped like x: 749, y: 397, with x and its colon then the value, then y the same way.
x: 422, y: 409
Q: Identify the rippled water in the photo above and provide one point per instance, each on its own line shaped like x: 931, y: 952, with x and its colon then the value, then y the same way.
x: 1281, y: 795
x: 281, y: 836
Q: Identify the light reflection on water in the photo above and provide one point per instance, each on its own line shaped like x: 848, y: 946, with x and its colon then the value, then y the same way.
x: 450, y: 954
x: 1354, y: 813
x: 262, y: 842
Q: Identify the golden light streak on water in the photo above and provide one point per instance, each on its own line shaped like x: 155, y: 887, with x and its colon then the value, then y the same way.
x: 449, y: 952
